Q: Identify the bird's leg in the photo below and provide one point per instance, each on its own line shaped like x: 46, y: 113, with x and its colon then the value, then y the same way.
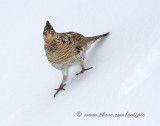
x: 83, y: 69
x: 65, y: 77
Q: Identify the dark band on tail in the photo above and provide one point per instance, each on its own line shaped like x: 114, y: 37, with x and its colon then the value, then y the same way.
x: 106, y: 34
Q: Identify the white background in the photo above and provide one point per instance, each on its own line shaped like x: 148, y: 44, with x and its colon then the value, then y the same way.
x: 126, y: 64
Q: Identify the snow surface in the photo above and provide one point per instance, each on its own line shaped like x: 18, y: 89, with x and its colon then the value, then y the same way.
x: 126, y: 65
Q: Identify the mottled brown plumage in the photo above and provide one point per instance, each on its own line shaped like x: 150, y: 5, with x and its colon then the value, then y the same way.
x: 64, y: 50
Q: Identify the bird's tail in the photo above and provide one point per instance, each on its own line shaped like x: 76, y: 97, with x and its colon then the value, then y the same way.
x: 92, y: 39
x: 98, y: 36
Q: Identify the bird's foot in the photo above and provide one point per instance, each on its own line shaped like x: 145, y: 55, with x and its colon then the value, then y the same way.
x: 82, y: 71
x: 61, y: 87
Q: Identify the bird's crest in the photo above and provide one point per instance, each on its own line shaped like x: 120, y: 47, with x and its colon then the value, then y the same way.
x: 48, y: 33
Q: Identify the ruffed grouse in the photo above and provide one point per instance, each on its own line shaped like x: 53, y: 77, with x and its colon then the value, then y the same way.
x: 66, y: 49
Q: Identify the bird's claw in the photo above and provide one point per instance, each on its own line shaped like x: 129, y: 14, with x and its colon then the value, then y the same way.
x: 59, y: 89
x: 82, y: 71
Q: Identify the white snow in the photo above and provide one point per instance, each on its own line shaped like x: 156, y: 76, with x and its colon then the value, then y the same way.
x: 126, y: 65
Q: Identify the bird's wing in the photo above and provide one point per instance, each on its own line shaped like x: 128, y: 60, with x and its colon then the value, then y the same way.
x: 77, y: 39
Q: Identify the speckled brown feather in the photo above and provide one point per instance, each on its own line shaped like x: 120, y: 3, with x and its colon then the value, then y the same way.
x: 66, y: 49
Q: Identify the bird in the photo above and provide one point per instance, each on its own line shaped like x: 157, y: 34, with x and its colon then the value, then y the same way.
x: 64, y: 50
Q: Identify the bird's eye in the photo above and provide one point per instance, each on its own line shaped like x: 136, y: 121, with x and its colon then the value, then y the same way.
x: 69, y: 38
